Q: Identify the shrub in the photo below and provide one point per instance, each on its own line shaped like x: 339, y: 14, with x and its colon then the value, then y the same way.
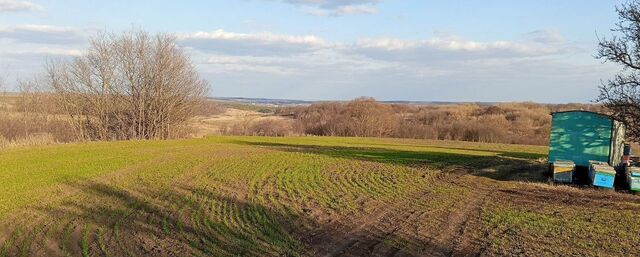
x: 261, y: 127
x: 29, y: 140
x: 515, y: 123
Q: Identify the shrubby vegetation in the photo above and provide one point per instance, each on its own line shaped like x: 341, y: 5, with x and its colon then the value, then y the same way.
x: 128, y: 86
x: 514, y: 123
x: 32, y: 117
x: 132, y: 85
x: 261, y: 127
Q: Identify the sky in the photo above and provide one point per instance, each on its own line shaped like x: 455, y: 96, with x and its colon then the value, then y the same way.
x: 418, y: 50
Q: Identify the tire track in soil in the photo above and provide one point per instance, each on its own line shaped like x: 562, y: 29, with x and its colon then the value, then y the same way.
x: 368, y: 237
x: 454, y: 238
x: 336, y: 238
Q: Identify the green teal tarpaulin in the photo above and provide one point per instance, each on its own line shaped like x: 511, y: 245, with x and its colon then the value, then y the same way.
x: 582, y: 136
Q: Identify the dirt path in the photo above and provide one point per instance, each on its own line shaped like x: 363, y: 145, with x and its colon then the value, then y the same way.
x: 453, y: 237
x: 365, y: 238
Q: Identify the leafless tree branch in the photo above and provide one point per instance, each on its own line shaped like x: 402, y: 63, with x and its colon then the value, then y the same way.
x: 128, y: 86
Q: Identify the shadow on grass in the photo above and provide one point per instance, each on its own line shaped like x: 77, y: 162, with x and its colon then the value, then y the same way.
x: 110, y: 221
x: 103, y: 220
x: 514, y: 154
x: 504, y: 166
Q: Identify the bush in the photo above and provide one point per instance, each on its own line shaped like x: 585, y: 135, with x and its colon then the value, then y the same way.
x: 265, y: 110
x: 261, y: 127
x: 148, y: 87
x: 514, y: 123
x: 16, y: 126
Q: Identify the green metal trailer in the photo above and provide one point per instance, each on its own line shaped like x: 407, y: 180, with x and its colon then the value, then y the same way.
x: 583, y: 136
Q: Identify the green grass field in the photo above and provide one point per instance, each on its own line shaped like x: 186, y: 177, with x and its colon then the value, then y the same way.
x: 302, y: 196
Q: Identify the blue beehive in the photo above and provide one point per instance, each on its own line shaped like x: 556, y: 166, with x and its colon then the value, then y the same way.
x: 602, y: 174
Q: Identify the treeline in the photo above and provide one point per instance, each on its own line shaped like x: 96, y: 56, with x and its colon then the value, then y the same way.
x: 513, y: 123
x: 35, y: 118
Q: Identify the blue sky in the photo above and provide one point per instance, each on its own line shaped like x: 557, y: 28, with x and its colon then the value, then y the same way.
x: 537, y: 50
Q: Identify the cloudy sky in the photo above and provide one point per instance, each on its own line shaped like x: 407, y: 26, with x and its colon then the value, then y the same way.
x: 432, y: 50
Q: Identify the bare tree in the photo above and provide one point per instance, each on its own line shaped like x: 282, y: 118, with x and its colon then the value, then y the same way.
x: 128, y: 86
x: 621, y: 94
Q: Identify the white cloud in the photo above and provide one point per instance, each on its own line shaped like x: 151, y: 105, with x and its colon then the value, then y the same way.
x: 263, y: 37
x: 25, y: 60
x: 342, y: 10
x: 266, y: 52
x: 19, y: 6
x: 329, y: 4
x: 307, y: 66
x: 260, y: 64
x: 355, y: 9
x: 42, y: 51
x: 453, y: 45
x: 546, y: 36
x: 439, y: 68
x: 335, y: 8
x: 328, y: 60
x: 258, y: 44
x: 25, y: 48
x: 41, y: 34
x: 450, y: 49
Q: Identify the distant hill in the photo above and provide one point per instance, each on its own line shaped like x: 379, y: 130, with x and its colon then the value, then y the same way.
x: 290, y: 102
x: 263, y: 101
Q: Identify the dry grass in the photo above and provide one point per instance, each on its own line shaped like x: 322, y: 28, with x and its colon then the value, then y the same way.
x: 241, y: 122
x: 26, y: 119
x: 261, y: 126
x: 29, y: 140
